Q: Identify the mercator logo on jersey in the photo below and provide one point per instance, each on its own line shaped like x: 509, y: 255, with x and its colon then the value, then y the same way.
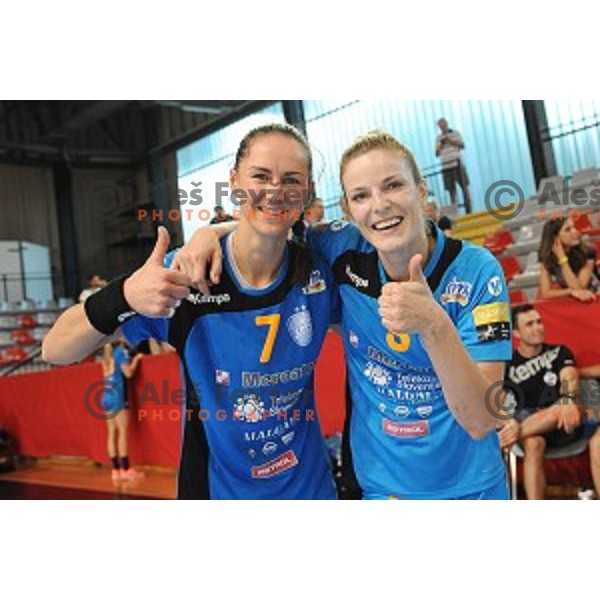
x: 299, y: 326
x: 285, y: 461
x: 457, y: 291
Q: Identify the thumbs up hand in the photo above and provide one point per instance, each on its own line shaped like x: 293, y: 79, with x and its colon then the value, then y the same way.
x: 408, y: 306
x: 153, y: 290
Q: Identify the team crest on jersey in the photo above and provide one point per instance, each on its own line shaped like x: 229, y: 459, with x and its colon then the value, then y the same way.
x: 377, y: 374
x: 299, y: 326
x: 222, y: 377
x: 353, y: 339
x: 550, y: 378
x: 249, y: 408
x: 316, y: 283
x: 457, y: 291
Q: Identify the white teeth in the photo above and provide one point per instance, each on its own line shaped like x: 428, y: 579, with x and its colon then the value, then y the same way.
x: 388, y: 223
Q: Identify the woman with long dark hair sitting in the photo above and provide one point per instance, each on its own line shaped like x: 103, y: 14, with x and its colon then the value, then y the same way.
x: 568, y: 265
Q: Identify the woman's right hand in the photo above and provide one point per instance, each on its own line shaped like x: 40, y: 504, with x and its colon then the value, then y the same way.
x: 194, y: 259
x: 558, y: 249
x: 583, y: 295
x: 153, y: 290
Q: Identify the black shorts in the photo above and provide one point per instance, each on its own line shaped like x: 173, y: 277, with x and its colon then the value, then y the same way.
x: 554, y: 439
x: 453, y: 175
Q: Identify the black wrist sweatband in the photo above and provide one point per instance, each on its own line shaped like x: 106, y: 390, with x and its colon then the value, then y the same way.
x: 107, y: 308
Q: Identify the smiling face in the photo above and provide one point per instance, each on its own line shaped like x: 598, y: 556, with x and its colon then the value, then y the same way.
x: 274, y: 174
x: 384, y: 200
x: 529, y: 328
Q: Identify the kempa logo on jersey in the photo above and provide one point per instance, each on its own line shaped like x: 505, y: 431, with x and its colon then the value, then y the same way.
x: 126, y: 315
x: 358, y: 281
x: 208, y: 299
x: 407, y: 430
x: 274, y: 467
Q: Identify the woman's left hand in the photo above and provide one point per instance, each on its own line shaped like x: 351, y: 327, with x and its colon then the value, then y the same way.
x: 408, y: 306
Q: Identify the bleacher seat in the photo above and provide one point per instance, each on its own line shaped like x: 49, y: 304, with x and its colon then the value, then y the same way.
x: 518, y: 297
x: 16, y: 354
x: 510, y: 266
x: 22, y: 336
x: 46, y: 318
x: 498, y: 241
x: 585, y: 177
x: 26, y: 320
x: 8, y: 321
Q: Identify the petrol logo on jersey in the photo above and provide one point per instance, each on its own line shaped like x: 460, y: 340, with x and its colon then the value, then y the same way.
x: 285, y: 461
x: 457, y: 292
x: 406, y: 430
x: 316, y: 283
x: 300, y: 328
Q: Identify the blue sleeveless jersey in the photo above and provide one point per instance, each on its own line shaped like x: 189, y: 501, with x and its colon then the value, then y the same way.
x: 114, y: 391
x: 404, y: 441
x: 248, y: 356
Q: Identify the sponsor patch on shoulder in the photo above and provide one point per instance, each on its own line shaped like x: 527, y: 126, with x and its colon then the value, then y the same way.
x: 492, y: 321
x: 491, y: 313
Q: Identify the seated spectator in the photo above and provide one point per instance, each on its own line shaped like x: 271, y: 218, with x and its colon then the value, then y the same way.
x: 544, y: 382
x: 433, y: 214
x: 593, y: 372
x: 95, y: 283
x: 567, y: 265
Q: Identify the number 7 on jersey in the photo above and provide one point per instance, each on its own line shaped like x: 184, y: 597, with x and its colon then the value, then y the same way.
x: 273, y: 322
